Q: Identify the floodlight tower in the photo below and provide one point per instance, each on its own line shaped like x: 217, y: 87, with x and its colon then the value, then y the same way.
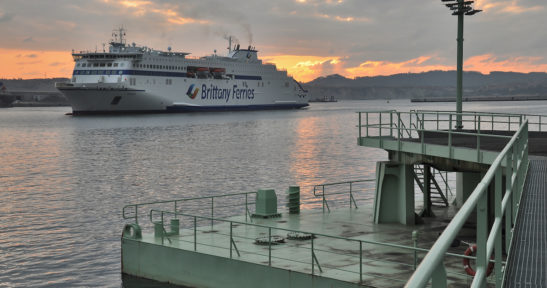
x: 460, y: 8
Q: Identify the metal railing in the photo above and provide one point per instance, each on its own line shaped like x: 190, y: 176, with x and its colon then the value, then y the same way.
x: 534, y: 120
x: 178, y: 202
x: 316, y: 254
x: 515, y: 158
x: 321, y: 188
x: 389, y: 125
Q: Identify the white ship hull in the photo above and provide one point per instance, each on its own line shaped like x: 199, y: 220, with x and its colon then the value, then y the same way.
x: 138, y: 79
x: 210, y: 95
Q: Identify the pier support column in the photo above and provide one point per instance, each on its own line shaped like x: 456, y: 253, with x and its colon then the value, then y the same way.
x: 394, y: 201
x: 427, y: 212
x: 465, y: 184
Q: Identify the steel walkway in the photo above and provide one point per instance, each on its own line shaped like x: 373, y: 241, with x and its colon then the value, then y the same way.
x: 528, y: 257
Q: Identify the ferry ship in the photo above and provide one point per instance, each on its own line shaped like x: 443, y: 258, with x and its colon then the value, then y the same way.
x: 130, y: 78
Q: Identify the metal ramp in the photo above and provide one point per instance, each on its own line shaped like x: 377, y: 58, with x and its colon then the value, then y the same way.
x: 437, y: 197
x: 527, y: 265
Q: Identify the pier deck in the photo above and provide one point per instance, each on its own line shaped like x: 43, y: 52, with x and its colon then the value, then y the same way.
x: 528, y: 265
x: 495, y: 147
x: 537, y: 140
x: 345, y: 248
x: 382, y: 265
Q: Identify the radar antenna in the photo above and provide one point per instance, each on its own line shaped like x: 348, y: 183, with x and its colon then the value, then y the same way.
x: 118, y: 36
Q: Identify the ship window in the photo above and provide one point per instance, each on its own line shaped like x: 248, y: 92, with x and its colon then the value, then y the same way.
x: 102, y: 64
x: 120, y: 72
x: 78, y: 65
x: 115, y: 64
x: 168, y: 81
x: 109, y: 64
x: 83, y: 64
x: 95, y: 64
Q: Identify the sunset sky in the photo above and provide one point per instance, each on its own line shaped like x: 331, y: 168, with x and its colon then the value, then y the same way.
x: 309, y: 38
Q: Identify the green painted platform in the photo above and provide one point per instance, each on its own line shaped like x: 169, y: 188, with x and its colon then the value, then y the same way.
x: 383, y: 264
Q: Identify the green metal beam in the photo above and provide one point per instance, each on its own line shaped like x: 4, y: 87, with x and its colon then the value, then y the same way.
x: 459, y: 124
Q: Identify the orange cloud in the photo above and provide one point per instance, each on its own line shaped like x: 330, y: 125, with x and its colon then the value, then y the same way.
x: 135, y: 3
x: 488, y: 62
x: 374, y: 68
x: 142, y: 7
x: 510, y: 7
x: 28, y: 64
x: 306, y: 68
x: 174, y: 17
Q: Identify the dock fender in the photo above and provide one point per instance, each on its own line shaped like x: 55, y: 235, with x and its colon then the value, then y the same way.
x: 132, y: 231
x: 471, y: 251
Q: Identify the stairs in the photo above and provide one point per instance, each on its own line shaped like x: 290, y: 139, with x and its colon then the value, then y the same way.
x: 437, y: 197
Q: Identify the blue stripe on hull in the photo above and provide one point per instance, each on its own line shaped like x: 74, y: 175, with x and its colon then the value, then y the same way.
x: 184, y: 108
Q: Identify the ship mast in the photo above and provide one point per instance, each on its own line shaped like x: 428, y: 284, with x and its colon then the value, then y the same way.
x: 118, y: 37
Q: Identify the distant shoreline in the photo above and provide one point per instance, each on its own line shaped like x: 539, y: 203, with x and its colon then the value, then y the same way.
x: 481, y: 98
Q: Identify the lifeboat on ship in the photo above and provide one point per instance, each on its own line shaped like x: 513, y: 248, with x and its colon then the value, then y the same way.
x: 218, y: 73
x: 202, y: 72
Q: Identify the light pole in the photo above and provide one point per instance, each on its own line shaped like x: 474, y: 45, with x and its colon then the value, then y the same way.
x: 460, y: 8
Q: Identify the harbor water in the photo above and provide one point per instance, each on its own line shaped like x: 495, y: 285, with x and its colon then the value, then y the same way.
x: 64, y: 179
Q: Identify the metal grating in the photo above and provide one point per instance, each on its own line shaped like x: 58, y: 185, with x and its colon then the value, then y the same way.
x: 528, y: 259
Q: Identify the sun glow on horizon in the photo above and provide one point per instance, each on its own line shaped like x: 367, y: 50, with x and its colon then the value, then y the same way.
x: 29, y: 64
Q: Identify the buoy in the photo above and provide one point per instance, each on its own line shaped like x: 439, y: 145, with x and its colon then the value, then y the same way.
x: 471, y: 251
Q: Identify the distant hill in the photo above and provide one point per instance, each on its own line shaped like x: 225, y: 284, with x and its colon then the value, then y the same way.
x: 429, y: 84
x: 398, y: 86
x: 43, y: 85
x: 35, y: 92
